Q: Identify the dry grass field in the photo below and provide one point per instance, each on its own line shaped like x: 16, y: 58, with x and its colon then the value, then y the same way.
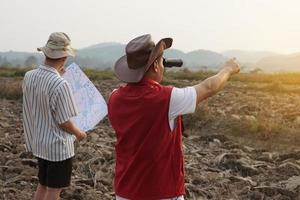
x: 242, y: 143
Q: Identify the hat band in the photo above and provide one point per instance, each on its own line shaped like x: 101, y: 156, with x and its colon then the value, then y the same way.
x: 57, y: 46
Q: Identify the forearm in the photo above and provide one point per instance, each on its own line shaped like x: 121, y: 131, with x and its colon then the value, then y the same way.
x: 212, y: 85
x: 70, y: 127
x: 216, y: 83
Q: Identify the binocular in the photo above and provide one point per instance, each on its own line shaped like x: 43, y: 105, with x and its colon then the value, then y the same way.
x: 171, y: 62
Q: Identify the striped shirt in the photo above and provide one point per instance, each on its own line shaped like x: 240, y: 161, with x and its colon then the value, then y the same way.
x: 47, y: 102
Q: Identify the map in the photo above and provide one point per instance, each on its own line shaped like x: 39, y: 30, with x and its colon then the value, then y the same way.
x: 90, y: 103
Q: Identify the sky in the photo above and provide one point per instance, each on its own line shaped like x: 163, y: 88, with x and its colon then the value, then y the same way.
x: 217, y: 25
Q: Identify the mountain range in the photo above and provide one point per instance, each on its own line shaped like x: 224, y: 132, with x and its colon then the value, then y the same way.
x: 104, y: 55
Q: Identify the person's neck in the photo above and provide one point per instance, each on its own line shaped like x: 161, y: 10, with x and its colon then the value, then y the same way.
x: 151, y: 76
x: 54, y: 65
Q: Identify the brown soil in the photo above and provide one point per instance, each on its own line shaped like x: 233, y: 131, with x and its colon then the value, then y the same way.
x: 241, y: 144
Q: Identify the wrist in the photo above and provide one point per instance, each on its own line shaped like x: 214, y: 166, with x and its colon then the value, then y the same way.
x: 227, y: 71
x: 76, y: 132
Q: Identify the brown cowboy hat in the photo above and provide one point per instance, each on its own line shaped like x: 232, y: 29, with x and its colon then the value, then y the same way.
x: 141, y: 52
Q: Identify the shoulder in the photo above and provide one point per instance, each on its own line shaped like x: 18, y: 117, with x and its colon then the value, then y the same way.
x: 187, y: 91
x: 118, y: 89
x: 181, y: 95
x: 115, y: 92
x: 166, y: 89
x: 29, y: 73
x: 182, y: 101
x: 29, y: 76
x: 61, y: 83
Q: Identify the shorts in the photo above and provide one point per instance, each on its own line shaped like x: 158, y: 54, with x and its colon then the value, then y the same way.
x: 55, y: 174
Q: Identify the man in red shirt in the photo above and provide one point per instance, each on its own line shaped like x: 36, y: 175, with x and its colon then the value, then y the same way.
x: 146, y: 117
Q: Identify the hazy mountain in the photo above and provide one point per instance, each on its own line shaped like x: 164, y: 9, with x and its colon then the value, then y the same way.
x: 11, y: 55
x: 14, y: 58
x: 248, y: 57
x: 174, y: 53
x: 280, y: 63
x: 267, y: 61
x: 204, y: 58
x: 102, y: 45
x: 108, y: 53
x: 104, y: 55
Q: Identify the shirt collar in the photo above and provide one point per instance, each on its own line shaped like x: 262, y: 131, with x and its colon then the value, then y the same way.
x: 49, y: 68
x: 149, y: 81
x: 145, y: 81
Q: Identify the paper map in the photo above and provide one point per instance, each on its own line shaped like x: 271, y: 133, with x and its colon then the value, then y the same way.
x: 90, y: 103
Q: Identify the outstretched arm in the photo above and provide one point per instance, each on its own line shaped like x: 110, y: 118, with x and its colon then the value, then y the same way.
x: 214, y: 84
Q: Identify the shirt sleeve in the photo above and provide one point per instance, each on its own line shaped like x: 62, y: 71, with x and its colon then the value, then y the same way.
x: 64, y: 105
x: 183, y: 101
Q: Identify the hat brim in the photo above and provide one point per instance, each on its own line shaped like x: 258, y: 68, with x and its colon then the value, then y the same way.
x: 55, y: 54
x: 158, y: 50
x: 124, y: 73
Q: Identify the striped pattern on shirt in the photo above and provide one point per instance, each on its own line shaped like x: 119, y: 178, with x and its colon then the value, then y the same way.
x: 47, y: 102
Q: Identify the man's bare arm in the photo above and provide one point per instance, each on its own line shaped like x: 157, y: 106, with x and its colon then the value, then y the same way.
x: 70, y: 128
x: 214, y: 84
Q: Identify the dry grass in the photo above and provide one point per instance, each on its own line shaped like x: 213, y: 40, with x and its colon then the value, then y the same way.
x: 207, y: 117
x: 13, y: 72
x: 182, y: 74
x: 186, y: 74
x: 11, y: 80
x: 261, y: 128
x: 94, y: 74
x: 282, y: 78
x: 277, y: 78
x: 11, y: 88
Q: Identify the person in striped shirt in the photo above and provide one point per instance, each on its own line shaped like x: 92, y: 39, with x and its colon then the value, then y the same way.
x: 48, y: 107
